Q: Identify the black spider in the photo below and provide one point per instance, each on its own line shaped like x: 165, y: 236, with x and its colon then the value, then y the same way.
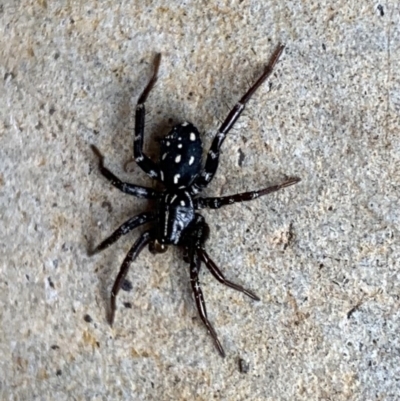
x: 175, y: 221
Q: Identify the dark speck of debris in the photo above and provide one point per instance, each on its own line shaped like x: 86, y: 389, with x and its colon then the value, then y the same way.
x: 55, y: 347
x: 128, y: 305
x: 56, y: 55
x: 380, y: 9
x: 129, y: 166
x: 59, y: 372
x: 243, y: 366
x: 107, y: 205
x: 8, y: 75
x: 52, y: 110
x: 241, y: 157
x: 126, y: 286
x: 323, y: 46
x: 289, y: 236
x: 51, y: 284
x: 352, y: 310
x: 87, y: 319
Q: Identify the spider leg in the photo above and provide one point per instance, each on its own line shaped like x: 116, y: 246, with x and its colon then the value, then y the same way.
x: 220, y: 277
x: 124, y: 229
x: 133, y: 253
x: 213, y: 155
x: 216, y: 203
x: 130, y: 189
x: 200, y: 303
x: 143, y: 161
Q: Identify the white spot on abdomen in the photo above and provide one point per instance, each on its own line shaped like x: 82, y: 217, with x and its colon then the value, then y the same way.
x: 176, y: 178
x: 178, y: 159
x: 192, y: 136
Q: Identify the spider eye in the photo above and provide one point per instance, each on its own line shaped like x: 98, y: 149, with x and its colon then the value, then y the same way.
x: 156, y: 247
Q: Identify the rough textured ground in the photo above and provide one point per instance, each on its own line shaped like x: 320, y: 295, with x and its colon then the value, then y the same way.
x: 323, y: 255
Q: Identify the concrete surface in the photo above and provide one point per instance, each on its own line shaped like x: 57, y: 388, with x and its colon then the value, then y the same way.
x: 322, y: 255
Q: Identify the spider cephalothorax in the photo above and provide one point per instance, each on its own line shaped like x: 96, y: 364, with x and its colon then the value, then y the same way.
x: 175, y: 220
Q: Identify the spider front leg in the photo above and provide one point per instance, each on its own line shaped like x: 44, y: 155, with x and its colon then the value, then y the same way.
x: 143, y: 161
x: 216, y: 203
x: 213, y: 155
x: 133, y: 253
x: 130, y: 189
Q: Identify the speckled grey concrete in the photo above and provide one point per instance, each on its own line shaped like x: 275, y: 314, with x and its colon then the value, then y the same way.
x: 322, y: 255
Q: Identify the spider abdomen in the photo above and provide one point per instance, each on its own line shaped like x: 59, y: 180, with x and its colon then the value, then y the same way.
x: 180, y: 157
x: 176, y: 213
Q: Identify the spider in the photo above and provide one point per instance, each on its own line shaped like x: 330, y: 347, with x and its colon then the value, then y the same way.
x: 175, y: 220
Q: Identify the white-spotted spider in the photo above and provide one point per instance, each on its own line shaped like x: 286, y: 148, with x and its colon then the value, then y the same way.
x: 175, y: 220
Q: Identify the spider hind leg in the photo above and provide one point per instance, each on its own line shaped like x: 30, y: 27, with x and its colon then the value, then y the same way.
x: 200, y: 303
x: 213, y: 268
x: 195, y: 254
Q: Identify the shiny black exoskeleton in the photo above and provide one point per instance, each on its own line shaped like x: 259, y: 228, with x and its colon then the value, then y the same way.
x: 175, y: 220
